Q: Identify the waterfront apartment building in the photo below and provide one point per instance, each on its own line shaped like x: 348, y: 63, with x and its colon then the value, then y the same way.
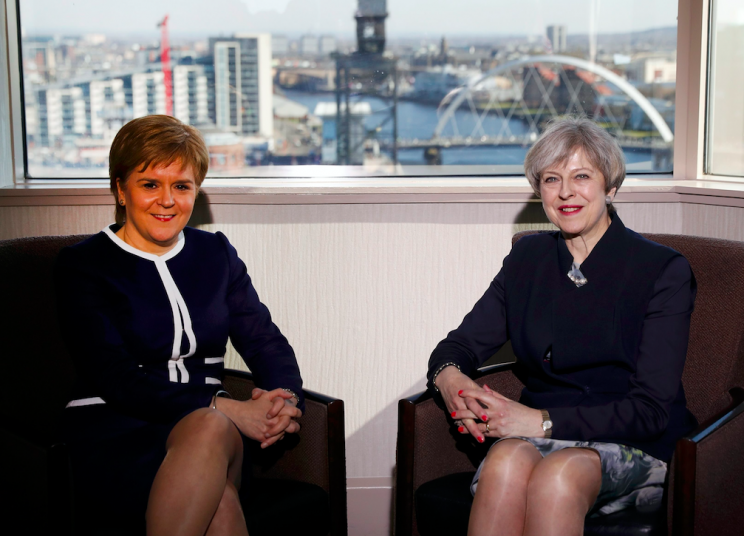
x: 106, y: 100
x: 60, y: 115
x: 240, y: 85
x: 190, y: 94
x: 148, y: 93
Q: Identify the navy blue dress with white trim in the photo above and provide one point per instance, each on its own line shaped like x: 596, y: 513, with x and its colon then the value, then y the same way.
x: 148, y: 336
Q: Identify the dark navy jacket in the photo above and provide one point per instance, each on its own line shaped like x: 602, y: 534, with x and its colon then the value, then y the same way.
x: 148, y: 334
x: 606, y: 358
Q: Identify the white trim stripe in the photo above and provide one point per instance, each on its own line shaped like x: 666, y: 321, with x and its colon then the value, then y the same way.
x: 213, y: 381
x: 85, y: 402
x: 172, y: 374
x: 182, y: 370
x: 149, y: 256
x: 170, y: 290
x: 213, y: 360
x: 187, y: 327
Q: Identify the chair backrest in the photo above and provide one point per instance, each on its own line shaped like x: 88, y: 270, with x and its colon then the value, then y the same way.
x: 715, y: 356
x: 37, y: 370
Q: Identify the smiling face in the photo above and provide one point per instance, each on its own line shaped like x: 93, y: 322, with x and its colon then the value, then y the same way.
x: 573, y: 196
x: 158, y: 202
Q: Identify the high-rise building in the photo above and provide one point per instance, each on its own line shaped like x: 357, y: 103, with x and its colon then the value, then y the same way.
x: 557, y: 37
x: 308, y: 45
x: 239, y: 84
x: 148, y: 93
x: 190, y: 94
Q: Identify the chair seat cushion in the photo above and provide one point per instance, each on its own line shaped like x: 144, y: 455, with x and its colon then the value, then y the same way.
x: 443, y: 508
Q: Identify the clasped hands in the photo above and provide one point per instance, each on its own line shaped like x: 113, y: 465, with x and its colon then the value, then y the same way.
x: 266, y: 417
x: 483, y: 412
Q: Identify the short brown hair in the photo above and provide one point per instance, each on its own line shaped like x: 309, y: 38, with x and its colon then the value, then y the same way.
x: 157, y: 140
x: 560, y: 140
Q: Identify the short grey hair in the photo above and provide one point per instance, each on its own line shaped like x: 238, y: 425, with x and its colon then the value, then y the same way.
x: 560, y: 140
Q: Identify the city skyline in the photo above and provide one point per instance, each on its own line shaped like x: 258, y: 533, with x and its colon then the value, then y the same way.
x: 408, y: 18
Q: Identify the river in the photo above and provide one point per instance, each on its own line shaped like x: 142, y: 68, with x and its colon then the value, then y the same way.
x: 418, y: 121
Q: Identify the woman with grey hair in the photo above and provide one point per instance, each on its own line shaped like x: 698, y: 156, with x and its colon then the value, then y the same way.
x: 599, y: 319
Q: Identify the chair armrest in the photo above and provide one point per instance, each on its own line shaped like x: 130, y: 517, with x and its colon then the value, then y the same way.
x: 706, y: 484
x: 316, y: 454
x: 428, y: 447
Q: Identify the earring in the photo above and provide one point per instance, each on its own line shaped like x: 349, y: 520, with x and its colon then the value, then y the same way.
x: 121, y: 202
x: 608, y: 200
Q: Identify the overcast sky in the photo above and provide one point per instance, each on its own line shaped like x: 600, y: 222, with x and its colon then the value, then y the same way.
x: 407, y: 17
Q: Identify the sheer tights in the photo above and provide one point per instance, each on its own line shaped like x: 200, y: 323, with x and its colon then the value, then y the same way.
x: 521, y: 493
x: 195, y: 492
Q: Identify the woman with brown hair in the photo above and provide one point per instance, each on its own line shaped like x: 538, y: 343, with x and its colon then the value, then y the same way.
x: 146, y: 307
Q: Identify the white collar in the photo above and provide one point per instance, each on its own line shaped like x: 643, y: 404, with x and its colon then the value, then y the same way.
x: 149, y: 256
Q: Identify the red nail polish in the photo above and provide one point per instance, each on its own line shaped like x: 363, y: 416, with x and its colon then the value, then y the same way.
x: 480, y: 439
x: 459, y: 392
x: 484, y: 417
x: 454, y: 413
x: 461, y: 429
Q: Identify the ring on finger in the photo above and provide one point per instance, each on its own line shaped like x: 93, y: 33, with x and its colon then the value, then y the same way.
x: 457, y: 423
x: 488, y: 428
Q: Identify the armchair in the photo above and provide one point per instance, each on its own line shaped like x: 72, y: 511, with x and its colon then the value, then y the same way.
x: 705, y: 489
x: 308, y: 470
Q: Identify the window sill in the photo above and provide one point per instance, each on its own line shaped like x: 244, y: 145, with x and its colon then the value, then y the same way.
x: 380, y: 190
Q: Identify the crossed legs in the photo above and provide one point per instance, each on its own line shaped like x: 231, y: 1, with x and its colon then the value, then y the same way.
x: 521, y: 493
x: 195, y: 492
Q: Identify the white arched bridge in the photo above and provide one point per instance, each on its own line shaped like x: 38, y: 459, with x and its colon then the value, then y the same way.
x: 509, y: 105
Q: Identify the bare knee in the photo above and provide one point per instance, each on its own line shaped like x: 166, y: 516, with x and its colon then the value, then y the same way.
x: 570, y: 477
x: 208, y: 428
x: 512, y: 460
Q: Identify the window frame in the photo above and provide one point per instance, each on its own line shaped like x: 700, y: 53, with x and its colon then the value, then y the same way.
x: 689, y: 142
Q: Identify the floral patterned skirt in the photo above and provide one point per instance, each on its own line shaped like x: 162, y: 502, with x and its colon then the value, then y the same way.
x: 630, y: 477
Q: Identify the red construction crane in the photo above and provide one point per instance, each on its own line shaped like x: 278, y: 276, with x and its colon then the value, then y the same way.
x: 165, y: 63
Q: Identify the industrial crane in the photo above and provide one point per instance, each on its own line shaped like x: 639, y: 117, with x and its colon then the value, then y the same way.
x: 166, y: 66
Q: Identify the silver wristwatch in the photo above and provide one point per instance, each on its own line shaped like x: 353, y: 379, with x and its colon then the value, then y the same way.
x: 547, y: 424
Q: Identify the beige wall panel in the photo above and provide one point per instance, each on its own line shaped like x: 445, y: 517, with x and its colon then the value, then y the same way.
x: 16, y: 222
x: 717, y: 222
x: 651, y: 217
x: 365, y: 292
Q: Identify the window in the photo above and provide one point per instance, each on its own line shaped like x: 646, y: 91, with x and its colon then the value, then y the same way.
x: 463, y: 90
x: 725, y: 129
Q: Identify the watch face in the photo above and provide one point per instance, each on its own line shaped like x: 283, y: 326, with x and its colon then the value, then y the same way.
x: 547, y: 425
